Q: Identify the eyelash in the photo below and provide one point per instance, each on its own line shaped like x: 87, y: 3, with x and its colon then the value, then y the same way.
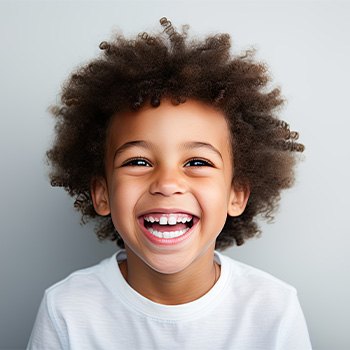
x: 137, y: 159
x: 206, y: 162
x: 129, y: 161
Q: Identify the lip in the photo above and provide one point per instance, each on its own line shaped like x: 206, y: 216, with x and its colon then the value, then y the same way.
x: 167, y: 241
x: 166, y: 211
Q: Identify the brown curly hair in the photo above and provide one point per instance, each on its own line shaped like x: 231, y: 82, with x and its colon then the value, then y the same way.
x: 132, y: 72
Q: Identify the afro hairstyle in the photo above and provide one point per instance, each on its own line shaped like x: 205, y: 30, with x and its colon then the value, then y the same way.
x: 147, y: 68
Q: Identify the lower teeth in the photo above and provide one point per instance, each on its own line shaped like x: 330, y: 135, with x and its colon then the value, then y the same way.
x: 173, y: 234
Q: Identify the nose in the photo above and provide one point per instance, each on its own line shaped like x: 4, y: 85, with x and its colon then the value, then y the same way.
x: 167, y: 182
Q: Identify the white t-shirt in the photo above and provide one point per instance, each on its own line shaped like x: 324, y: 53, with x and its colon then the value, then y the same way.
x: 95, y: 308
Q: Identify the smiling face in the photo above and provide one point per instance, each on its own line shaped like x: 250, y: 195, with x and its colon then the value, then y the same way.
x: 169, y: 169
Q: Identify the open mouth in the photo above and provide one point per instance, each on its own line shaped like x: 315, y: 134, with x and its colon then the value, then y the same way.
x: 168, y: 226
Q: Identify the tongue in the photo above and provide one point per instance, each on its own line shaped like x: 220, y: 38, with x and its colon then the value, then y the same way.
x: 168, y: 228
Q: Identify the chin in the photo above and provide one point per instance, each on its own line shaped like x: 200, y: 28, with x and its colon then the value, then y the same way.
x: 167, y: 266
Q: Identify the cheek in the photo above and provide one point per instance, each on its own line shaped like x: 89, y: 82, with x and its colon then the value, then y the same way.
x: 126, y: 190
x: 213, y: 189
x: 124, y: 197
x: 213, y: 200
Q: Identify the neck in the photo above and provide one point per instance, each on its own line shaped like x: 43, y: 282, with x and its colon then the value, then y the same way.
x: 171, y: 289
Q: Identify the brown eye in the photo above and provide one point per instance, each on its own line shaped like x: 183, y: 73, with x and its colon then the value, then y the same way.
x: 198, y: 163
x: 137, y: 162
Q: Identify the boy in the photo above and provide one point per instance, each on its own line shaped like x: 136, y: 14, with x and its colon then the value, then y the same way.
x: 174, y: 147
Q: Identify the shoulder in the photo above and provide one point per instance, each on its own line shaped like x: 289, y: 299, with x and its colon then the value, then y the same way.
x: 265, y: 304
x: 80, y: 287
x: 252, y: 275
x: 252, y: 284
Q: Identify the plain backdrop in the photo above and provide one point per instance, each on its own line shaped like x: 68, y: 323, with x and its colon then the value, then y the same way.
x: 306, y: 45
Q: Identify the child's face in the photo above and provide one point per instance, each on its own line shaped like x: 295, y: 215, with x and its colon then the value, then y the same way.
x: 169, y: 160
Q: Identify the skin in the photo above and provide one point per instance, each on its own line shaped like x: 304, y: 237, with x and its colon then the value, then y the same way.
x: 164, y: 175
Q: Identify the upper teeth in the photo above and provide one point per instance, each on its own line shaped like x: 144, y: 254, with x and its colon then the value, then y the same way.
x: 172, y: 219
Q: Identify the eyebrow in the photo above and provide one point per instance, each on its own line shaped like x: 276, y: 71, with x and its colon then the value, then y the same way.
x: 147, y: 145
x: 198, y: 144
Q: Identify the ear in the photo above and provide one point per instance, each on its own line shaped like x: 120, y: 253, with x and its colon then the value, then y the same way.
x: 238, y: 201
x: 99, y: 194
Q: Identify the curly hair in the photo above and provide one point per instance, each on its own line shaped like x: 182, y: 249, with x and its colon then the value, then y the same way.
x: 132, y: 72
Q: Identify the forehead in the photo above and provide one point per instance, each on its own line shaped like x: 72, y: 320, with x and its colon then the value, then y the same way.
x: 169, y: 125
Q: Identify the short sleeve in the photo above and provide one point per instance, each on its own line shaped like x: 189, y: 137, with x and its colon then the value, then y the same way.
x: 293, y: 333
x: 44, y: 334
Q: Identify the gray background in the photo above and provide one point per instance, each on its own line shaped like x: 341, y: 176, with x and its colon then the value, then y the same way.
x: 307, y: 46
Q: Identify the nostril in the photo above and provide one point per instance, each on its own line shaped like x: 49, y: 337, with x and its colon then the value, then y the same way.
x: 167, y: 186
